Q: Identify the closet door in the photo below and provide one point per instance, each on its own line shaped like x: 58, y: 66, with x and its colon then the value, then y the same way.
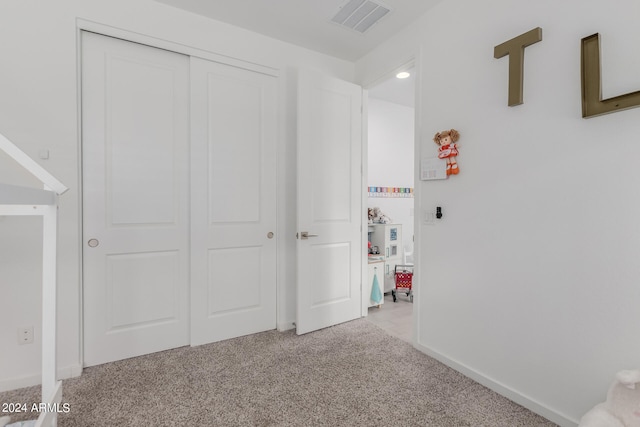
x: 135, y: 142
x: 233, y: 202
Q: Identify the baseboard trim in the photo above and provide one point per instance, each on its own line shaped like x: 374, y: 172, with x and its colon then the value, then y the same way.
x: 511, y: 394
x: 36, y: 379
x: 285, y: 326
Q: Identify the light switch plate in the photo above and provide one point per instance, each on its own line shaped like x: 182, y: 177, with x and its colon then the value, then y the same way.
x: 429, y: 217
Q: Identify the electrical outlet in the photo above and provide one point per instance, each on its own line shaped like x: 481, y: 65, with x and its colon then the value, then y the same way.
x: 25, y: 335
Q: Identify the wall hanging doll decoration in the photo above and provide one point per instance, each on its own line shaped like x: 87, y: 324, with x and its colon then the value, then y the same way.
x: 448, y: 149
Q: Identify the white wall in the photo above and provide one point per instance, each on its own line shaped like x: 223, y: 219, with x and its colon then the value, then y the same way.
x: 390, y: 160
x: 39, y: 109
x: 529, y: 283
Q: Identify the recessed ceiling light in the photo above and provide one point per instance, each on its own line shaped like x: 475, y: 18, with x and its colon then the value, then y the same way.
x: 403, y: 75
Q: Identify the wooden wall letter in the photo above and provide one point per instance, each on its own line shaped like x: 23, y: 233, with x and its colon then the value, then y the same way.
x: 592, y: 102
x: 515, y: 49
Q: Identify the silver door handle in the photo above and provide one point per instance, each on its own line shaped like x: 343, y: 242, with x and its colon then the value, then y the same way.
x: 93, y: 243
x: 305, y: 235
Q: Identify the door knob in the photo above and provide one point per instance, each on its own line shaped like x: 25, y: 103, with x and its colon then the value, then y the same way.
x: 305, y: 235
x: 270, y: 235
x: 93, y: 243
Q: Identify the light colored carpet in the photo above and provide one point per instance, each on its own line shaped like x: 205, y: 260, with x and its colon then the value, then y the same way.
x: 352, y: 374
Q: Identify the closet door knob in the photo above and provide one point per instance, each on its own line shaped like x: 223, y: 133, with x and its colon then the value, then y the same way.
x: 93, y: 243
x: 270, y: 235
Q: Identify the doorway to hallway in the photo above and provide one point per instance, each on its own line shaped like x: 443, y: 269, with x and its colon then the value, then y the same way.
x: 391, y: 147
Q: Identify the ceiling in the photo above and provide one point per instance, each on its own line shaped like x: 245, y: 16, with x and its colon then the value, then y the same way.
x: 307, y: 23
x: 398, y: 91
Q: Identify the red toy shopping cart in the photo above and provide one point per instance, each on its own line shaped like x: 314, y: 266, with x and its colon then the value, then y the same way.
x: 404, y: 280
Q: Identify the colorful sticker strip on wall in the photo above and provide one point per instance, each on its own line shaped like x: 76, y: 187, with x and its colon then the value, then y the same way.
x: 396, y: 192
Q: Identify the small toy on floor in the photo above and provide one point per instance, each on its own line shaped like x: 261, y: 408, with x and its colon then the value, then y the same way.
x: 622, y: 407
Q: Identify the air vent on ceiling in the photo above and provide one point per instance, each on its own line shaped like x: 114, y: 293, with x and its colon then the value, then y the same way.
x: 360, y: 15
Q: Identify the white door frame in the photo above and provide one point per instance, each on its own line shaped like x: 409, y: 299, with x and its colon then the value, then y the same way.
x: 135, y: 37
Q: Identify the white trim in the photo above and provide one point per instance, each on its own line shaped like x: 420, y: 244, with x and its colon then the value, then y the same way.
x: 364, y: 200
x: 22, y: 210
x: 49, y: 418
x: 49, y: 301
x: 80, y: 190
x: 107, y: 30
x: 502, y: 389
x: 14, y: 195
x: 285, y: 326
x: 31, y: 166
x: 417, y: 63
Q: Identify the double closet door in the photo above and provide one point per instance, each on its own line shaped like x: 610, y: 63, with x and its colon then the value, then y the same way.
x: 179, y: 213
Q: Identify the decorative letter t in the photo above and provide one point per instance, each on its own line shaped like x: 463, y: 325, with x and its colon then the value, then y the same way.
x: 515, y: 49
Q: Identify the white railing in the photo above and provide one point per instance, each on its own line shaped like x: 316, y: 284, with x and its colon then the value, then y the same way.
x: 29, y: 201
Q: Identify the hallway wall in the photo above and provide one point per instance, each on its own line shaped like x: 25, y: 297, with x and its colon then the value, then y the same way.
x: 390, y: 160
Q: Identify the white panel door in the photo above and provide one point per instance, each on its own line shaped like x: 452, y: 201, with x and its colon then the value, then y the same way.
x: 135, y: 142
x: 330, y: 211
x: 233, y: 179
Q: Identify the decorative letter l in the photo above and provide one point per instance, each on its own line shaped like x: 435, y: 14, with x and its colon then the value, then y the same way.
x: 592, y: 102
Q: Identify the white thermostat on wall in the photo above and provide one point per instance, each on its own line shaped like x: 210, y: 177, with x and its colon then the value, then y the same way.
x: 432, y: 168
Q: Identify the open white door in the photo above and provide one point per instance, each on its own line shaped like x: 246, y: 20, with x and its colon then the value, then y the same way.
x: 330, y: 212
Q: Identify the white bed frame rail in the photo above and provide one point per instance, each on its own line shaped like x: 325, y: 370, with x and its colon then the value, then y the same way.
x: 30, y: 201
